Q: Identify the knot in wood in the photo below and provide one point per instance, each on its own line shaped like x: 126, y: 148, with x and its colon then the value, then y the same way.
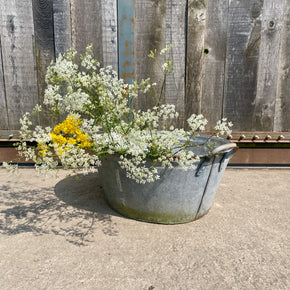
x: 271, y: 25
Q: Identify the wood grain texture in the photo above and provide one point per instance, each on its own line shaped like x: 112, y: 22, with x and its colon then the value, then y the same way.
x: 18, y: 63
x: 4, y: 119
x: 61, y: 26
x: 195, y: 45
x: 243, y: 51
x: 86, y: 21
x: 109, y: 33
x: 214, y: 53
x: 231, y: 57
x: 150, y: 34
x: 43, y: 24
x: 272, y: 22
x: 282, y: 104
x: 44, y: 46
x: 175, y: 35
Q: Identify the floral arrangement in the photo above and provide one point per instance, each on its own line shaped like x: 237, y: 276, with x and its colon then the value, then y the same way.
x: 100, y: 120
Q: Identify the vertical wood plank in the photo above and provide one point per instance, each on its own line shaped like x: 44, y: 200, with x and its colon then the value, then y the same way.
x: 232, y: 63
x: 16, y: 27
x: 62, y: 26
x: 43, y: 25
x: 244, y: 37
x: 214, y: 53
x: 86, y: 22
x: 272, y: 20
x: 4, y: 117
x: 44, y: 45
x: 175, y: 35
x: 109, y: 33
x: 196, y: 24
x: 150, y: 34
x: 282, y: 105
x: 126, y: 33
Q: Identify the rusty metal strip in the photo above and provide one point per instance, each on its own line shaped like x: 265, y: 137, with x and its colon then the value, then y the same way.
x: 9, y: 154
x: 239, y: 137
x: 6, y: 135
x: 261, y: 156
x: 260, y: 137
x: 244, y: 156
x: 257, y: 137
x: 262, y: 151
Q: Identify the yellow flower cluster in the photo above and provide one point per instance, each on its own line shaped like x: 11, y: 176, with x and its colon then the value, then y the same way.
x: 67, y: 132
x: 70, y: 126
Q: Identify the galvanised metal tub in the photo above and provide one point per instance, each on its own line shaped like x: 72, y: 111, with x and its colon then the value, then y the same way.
x: 178, y: 196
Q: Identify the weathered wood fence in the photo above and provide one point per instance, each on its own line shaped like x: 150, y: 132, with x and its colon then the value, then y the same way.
x: 231, y: 57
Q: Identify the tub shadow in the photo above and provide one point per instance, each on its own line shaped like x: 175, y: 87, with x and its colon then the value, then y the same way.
x: 83, y: 192
x: 75, y: 209
x: 85, y: 195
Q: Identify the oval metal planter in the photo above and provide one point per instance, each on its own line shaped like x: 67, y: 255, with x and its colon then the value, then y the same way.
x: 177, y: 197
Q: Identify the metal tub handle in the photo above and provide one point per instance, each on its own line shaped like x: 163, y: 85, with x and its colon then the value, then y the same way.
x: 229, y: 148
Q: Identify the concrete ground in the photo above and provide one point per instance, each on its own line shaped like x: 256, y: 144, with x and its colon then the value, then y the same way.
x: 60, y: 234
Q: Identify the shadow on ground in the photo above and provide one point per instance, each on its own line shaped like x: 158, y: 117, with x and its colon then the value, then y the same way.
x: 74, y: 209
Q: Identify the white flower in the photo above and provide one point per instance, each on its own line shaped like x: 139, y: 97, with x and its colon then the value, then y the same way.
x: 165, y: 66
x: 223, y: 127
x: 101, y: 110
x: 197, y: 122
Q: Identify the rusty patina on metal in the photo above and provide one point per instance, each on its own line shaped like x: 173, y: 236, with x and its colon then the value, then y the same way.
x: 270, y: 148
x: 126, y: 40
x: 260, y: 137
